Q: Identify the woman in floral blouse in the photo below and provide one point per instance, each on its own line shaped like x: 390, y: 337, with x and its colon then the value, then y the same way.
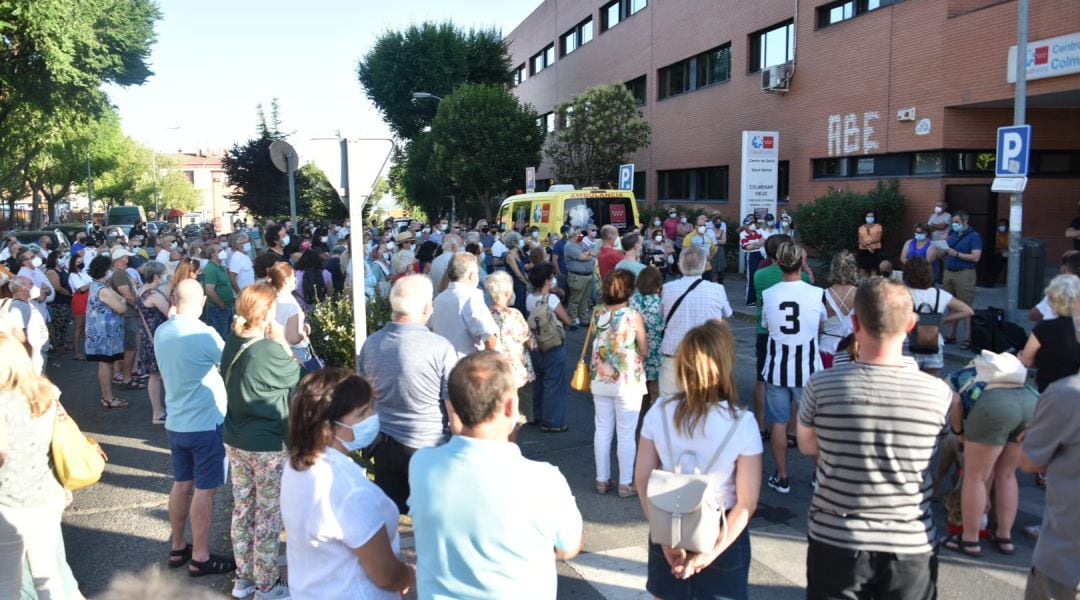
x: 618, y: 379
x: 647, y: 302
x: 514, y: 339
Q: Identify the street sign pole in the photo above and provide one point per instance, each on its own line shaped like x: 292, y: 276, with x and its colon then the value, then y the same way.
x: 292, y: 187
x: 1016, y: 200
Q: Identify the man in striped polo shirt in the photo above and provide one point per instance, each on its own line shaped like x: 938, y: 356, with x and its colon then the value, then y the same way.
x: 874, y: 426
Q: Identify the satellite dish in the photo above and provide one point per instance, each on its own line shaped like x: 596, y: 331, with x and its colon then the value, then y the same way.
x: 280, y: 154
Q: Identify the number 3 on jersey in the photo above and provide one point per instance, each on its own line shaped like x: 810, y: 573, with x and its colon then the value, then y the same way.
x: 791, y: 315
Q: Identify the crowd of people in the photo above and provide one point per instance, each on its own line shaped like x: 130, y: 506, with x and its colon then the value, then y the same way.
x: 214, y: 329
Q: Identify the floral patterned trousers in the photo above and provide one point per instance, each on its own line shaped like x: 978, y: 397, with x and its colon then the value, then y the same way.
x: 256, y: 517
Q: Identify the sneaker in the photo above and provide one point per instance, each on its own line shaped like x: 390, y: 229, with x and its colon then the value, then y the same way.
x: 779, y: 484
x: 243, y: 588
x: 279, y: 591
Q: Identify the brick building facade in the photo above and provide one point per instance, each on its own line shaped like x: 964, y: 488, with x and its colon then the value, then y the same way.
x: 855, y: 64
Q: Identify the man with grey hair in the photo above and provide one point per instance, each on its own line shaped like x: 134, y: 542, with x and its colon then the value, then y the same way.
x: 27, y: 323
x: 688, y: 302
x: 241, y: 268
x: 459, y: 313
x: 580, y: 264
x: 408, y: 367
x: 451, y: 245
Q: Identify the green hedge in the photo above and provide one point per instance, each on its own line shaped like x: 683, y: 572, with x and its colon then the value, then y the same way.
x: 332, y: 334
x: 831, y: 222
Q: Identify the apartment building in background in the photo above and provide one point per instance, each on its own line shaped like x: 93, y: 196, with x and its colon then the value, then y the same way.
x: 206, y: 171
x: 859, y: 91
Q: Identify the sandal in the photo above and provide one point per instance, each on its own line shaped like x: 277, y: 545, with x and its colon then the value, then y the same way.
x: 215, y: 565
x: 114, y: 404
x: 602, y: 487
x: 967, y: 346
x: 78, y: 357
x: 118, y: 379
x: 950, y: 340
x: 957, y: 544
x: 1003, y: 545
x: 134, y: 384
x: 179, y: 558
x: 551, y: 429
x: 627, y: 491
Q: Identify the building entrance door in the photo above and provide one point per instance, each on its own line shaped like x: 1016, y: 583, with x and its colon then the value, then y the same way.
x: 981, y: 204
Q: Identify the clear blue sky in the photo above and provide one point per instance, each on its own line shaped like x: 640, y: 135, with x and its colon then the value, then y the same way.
x: 215, y: 60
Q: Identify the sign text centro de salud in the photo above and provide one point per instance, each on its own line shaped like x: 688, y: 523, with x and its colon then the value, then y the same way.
x: 760, y: 151
x: 1051, y: 57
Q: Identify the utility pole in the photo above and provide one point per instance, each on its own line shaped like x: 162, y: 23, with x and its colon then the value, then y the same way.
x: 1016, y: 200
x: 90, y: 185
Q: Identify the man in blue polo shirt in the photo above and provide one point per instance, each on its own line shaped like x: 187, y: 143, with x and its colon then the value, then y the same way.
x: 188, y: 353
x: 488, y: 521
x: 965, y: 249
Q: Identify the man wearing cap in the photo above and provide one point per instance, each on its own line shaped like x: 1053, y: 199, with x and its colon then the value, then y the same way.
x: 122, y: 283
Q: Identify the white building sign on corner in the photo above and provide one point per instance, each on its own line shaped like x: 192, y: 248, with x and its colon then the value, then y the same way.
x: 760, y: 170
x: 1051, y: 57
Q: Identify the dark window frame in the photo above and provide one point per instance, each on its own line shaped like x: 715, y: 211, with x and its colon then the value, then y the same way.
x: 643, y: 81
x: 783, y: 182
x: 521, y: 74
x: 858, y: 8
x: 692, y: 71
x: 625, y: 11
x: 695, y: 180
x: 578, y: 33
x: 754, y: 59
x: 543, y: 53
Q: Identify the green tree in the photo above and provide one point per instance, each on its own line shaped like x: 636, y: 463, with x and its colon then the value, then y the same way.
x: 415, y: 180
x: 601, y: 128
x: 831, y: 222
x: 174, y: 190
x: 482, y: 141
x: 433, y: 58
x: 260, y: 187
x: 313, y: 190
x: 130, y: 177
x: 56, y: 55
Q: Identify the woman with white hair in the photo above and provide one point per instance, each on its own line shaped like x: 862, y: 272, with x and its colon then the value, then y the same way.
x: 402, y: 264
x: 1052, y: 348
x: 514, y: 339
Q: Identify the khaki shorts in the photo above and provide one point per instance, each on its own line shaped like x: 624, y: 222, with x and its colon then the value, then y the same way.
x: 131, y: 333
x: 961, y: 284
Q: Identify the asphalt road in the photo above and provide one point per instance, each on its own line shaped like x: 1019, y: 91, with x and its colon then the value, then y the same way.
x: 121, y: 523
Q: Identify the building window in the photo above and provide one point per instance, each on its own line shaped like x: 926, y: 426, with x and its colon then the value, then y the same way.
x: 705, y: 184
x: 639, y: 186
x: 772, y: 46
x: 830, y: 167
x: 783, y: 182
x: 566, y: 117
x: 617, y: 11
x: 929, y: 163
x: 543, y: 59
x: 547, y: 121
x: 1056, y: 163
x: 696, y: 72
x: 969, y: 162
x: 520, y: 74
x: 638, y: 89
x: 577, y: 37
x: 838, y: 12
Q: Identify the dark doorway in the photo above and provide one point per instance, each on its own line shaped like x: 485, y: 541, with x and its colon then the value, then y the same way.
x: 981, y: 204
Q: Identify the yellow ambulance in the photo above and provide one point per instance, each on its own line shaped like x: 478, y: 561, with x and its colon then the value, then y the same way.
x: 562, y: 205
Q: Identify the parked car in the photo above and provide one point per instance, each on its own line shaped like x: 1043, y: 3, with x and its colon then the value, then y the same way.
x: 69, y: 229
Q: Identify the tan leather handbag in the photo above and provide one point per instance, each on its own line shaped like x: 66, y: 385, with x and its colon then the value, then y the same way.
x: 582, y: 379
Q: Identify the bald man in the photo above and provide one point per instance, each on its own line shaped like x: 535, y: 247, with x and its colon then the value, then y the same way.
x: 189, y: 353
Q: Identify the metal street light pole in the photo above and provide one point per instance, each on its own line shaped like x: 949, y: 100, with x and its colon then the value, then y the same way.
x: 1016, y: 201
x: 90, y: 185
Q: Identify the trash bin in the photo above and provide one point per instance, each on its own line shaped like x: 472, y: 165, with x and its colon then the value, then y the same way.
x: 1032, y: 271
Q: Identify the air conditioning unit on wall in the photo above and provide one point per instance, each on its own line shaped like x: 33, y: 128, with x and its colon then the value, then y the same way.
x: 776, y: 78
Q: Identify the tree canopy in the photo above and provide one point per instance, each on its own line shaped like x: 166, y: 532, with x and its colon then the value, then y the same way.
x: 600, y: 129
x: 431, y: 57
x: 482, y: 141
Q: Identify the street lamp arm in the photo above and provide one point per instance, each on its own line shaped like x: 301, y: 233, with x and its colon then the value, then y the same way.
x: 424, y: 95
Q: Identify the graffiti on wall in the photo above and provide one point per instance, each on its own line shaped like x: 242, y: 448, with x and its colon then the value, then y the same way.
x: 849, y: 135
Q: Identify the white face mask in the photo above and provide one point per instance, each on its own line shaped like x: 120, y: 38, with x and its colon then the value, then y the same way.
x: 536, y: 235
x: 221, y: 255
x: 701, y: 229
x: 521, y: 243
x: 672, y: 215
x: 36, y: 261
x: 390, y: 245
x: 658, y: 238
x: 285, y: 241
x: 656, y: 222
x: 247, y: 246
x: 682, y: 220
x: 937, y: 210
x: 323, y: 239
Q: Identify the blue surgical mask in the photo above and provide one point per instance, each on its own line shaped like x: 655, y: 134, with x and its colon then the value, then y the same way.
x: 869, y: 220
x: 247, y: 246
x: 364, y: 433
x: 920, y: 237
x: 957, y: 227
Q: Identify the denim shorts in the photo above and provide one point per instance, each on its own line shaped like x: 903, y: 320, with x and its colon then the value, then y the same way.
x: 726, y: 578
x: 778, y: 402
x: 198, y: 456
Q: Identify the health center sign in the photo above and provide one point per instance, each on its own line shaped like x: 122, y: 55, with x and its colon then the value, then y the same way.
x: 1051, y: 57
x: 760, y: 157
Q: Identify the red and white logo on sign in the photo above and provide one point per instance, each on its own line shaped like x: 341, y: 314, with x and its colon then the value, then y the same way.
x: 1042, y: 55
x: 767, y: 142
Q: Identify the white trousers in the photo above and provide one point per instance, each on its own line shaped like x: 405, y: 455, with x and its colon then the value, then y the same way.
x: 616, y: 417
x: 669, y: 383
x: 34, y: 534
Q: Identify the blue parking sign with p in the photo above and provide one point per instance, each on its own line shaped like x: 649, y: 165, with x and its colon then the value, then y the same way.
x: 626, y: 177
x: 1013, y: 151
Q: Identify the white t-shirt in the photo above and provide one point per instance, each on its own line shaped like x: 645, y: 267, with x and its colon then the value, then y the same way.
x: 712, y: 430
x: 532, y: 300
x: 793, y: 312
x: 287, y: 306
x: 330, y: 509
x: 1045, y: 309
x: 499, y: 249
x: 241, y: 264
x: 163, y: 257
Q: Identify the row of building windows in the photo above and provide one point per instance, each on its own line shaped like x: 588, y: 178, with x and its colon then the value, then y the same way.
x: 611, y: 14
x: 843, y: 10
x: 708, y: 184
x: 696, y: 72
x: 940, y: 163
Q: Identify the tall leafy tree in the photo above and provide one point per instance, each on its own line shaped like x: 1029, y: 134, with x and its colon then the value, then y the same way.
x: 433, y: 58
x: 601, y: 128
x: 260, y: 187
x: 482, y: 141
x: 55, y: 55
x: 314, y: 191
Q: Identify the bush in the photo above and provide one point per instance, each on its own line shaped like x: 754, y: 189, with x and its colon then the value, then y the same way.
x: 830, y: 223
x: 332, y: 335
